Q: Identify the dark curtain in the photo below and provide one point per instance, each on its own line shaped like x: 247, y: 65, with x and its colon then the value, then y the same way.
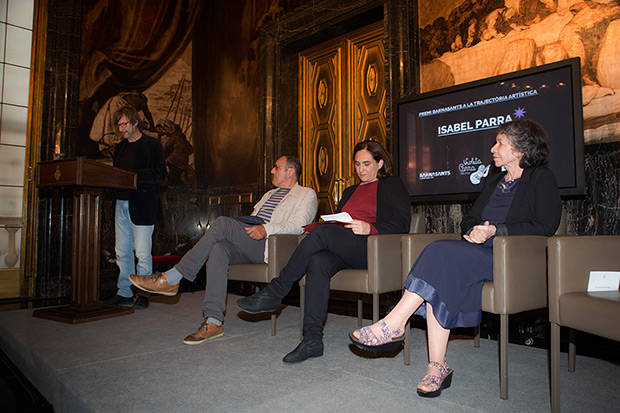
x: 128, y: 45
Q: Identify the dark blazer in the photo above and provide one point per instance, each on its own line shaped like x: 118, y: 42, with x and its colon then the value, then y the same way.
x: 393, y: 205
x: 150, y: 167
x: 536, y: 208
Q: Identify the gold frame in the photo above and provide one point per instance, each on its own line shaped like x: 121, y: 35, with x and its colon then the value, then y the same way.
x: 28, y: 267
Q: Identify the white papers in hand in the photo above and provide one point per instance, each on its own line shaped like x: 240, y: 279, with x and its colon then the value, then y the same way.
x: 340, y: 217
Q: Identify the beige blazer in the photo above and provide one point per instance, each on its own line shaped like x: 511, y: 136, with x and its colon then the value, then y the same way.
x: 298, y: 208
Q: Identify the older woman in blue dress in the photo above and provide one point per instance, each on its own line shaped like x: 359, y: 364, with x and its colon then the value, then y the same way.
x: 445, y: 283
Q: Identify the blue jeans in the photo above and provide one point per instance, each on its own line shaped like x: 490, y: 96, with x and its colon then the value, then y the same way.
x: 131, y: 238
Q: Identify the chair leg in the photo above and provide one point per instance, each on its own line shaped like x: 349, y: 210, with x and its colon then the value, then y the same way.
x: 477, y: 336
x: 407, y: 344
x: 503, y: 357
x: 360, y: 310
x: 302, y: 303
x: 555, y: 368
x: 375, y: 308
x: 572, y: 350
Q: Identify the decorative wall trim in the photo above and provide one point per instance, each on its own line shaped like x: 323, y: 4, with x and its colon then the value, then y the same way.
x: 244, y: 198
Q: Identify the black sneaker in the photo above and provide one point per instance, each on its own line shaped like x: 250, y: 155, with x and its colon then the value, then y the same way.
x: 119, y: 300
x: 141, y: 303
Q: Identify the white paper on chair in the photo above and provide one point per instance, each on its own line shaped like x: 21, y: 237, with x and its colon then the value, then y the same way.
x: 604, y: 281
x: 340, y: 217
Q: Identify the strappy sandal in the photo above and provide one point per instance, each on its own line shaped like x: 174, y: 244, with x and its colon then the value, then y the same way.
x: 389, y: 340
x: 437, y: 384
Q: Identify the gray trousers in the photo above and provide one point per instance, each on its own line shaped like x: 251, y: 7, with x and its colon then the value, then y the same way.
x: 224, y: 243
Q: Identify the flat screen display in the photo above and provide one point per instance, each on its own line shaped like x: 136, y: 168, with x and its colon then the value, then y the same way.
x: 445, y: 136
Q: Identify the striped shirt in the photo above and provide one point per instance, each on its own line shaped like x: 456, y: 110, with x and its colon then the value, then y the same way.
x: 266, y: 210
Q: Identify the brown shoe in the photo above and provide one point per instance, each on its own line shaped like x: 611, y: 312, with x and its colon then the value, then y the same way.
x: 154, y: 283
x: 205, y: 332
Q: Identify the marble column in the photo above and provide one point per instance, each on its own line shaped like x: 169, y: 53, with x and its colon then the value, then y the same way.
x: 58, y: 138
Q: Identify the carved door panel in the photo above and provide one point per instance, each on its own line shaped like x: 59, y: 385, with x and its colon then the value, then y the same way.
x: 368, y: 89
x: 341, y: 102
x: 321, y: 121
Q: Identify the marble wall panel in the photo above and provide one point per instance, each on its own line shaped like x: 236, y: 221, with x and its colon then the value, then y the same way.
x: 598, y: 213
x: 54, y: 244
x: 59, y: 128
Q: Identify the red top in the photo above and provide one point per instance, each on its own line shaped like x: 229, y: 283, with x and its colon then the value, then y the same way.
x: 362, y: 204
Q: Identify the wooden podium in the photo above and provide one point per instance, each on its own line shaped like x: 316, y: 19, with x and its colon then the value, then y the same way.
x: 87, y: 179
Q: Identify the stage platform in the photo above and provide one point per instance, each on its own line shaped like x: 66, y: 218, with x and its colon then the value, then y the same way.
x: 138, y: 363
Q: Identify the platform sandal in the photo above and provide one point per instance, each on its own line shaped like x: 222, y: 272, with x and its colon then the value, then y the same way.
x: 437, y: 384
x: 389, y: 340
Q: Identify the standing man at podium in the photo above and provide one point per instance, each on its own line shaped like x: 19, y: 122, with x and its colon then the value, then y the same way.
x: 136, y: 210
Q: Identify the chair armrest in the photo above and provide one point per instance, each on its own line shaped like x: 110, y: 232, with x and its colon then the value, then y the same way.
x: 384, y: 262
x: 519, y: 273
x: 281, y: 247
x: 418, y: 224
x: 571, y: 258
x: 413, y: 244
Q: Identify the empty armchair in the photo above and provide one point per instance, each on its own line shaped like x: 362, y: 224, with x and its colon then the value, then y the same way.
x: 280, y: 248
x: 571, y: 258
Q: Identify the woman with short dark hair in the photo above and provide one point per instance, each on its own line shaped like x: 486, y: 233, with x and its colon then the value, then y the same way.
x: 445, y: 283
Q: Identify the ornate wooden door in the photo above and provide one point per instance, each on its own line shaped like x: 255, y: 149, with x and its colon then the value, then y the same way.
x: 342, y: 101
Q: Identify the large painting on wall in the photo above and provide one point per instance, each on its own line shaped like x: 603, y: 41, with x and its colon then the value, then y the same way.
x: 144, y: 61
x: 462, y: 41
x: 190, y: 67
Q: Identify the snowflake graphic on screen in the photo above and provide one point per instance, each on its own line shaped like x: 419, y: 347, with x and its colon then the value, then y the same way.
x: 519, y: 113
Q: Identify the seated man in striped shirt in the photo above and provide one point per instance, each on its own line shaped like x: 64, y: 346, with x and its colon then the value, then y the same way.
x: 283, y: 210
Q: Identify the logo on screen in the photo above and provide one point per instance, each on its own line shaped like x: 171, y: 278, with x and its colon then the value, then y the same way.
x: 469, y: 165
x: 433, y: 175
x: 474, y: 168
x: 479, y: 174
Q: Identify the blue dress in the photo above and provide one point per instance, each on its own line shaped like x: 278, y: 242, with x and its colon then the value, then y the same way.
x: 450, y: 274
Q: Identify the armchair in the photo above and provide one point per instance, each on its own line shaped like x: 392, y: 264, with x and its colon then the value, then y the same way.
x: 412, y: 245
x: 571, y: 258
x: 382, y: 275
x: 280, y: 248
x: 519, y: 283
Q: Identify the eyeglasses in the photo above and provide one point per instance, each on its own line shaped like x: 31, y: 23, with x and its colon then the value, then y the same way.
x: 277, y: 167
x: 123, y: 124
